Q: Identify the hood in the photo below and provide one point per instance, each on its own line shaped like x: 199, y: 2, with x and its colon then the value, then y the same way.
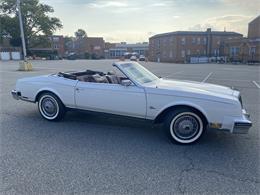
x: 194, y: 86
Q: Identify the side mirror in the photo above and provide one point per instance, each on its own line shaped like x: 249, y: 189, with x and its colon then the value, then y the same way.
x: 126, y: 82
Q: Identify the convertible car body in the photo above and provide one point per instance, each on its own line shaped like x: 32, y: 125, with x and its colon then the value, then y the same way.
x: 186, y: 108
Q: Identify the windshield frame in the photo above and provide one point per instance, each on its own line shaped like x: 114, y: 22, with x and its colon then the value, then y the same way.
x: 120, y: 65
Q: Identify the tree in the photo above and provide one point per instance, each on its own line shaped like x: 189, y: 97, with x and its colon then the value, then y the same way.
x: 9, y: 27
x: 80, y: 33
x: 36, y: 20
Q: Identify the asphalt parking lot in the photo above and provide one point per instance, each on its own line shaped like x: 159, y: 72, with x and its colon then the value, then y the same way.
x: 91, y: 154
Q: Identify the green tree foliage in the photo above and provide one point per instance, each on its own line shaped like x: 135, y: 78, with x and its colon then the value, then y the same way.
x: 36, y: 21
x: 80, y: 33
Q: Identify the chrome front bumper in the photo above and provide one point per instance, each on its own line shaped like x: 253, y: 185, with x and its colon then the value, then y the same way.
x: 16, y: 94
x: 244, y: 125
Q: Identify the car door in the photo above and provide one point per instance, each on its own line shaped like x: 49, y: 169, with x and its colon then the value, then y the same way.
x: 111, y: 98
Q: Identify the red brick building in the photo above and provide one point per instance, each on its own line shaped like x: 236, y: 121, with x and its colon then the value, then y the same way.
x: 93, y: 46
x: 180, y: 46
x: 53, y: 48
x: 245, y: 49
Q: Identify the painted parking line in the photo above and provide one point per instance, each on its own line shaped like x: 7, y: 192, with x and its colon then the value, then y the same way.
x: 207, y: 77
x: 256, y: 84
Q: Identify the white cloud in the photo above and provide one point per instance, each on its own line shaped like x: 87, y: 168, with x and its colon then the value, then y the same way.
x: 237, y: 23
x: 229, y: 18
x: 108, y: 4
x: 253, y: 5
x: 158, y: 5
x: 117, y: 7
x: 176, y: 16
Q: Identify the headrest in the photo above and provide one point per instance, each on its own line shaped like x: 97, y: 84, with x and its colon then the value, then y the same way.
x: 100, y: 79
x: 111, y: 72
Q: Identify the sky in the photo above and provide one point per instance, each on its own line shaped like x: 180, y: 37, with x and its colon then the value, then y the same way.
x: 136, y: 20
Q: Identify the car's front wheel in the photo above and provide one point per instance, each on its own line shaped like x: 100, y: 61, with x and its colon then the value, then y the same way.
x: 50, y: 107
x: 184, y: 126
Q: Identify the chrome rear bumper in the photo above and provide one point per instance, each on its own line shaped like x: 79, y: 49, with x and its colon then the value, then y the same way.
x: 244, y: 125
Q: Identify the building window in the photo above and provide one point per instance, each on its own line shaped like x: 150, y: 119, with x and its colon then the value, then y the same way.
x: 216, y: 52
x: 55, y: 39
x: 218, y: 42
x: 164, y: 54
x: 159, y: 44
x: 56, y: 46
x: 252, y: 50
x: 193, y: 40
x: 234, y: 51
x: 170, y: 54
x: 204, y: 40
x: 165, y: 41
x: 183, y: 53
x: 188, y: 52
x: 183, y: 40
x: 204, y: 52
x: 198, y: 40
x: 198, y: 52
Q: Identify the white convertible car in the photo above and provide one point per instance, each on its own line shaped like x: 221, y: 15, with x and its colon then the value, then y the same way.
x: 187, y: 109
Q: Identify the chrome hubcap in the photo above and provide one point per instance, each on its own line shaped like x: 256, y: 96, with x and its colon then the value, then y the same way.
x: 49, y: 107
x: 186, y: 127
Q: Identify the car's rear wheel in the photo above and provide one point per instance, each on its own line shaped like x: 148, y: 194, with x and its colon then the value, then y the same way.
x: 50, y: 107
x: 184, y: 126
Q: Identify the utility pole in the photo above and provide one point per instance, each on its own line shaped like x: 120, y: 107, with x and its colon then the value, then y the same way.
x: 21, y: 29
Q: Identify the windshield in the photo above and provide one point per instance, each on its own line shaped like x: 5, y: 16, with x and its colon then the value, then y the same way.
x: 138, y: 73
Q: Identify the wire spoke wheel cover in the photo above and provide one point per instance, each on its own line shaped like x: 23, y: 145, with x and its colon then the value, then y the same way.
x: 186, y: 127
x: 48, y: 107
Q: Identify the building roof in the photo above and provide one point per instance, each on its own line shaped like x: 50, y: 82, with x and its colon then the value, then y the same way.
x: 218, y: 33
x: 255, y: 20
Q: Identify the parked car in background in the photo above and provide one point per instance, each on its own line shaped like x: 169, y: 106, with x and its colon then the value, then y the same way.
x: 133, y: 58
x: 141, y: 58
x: 72, y: 56
x: 186, y: 108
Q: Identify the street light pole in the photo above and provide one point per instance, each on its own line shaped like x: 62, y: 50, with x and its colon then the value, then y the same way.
x: 21, y: 29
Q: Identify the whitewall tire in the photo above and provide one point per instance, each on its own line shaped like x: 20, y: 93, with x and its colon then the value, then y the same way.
x: 184, y: 126
x: 50, y: 107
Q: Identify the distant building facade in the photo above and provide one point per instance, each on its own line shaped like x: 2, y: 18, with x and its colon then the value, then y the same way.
x: 54, y: 47
x: 245, y: 49
x: 118, y: 50
x: 57, y: 44
x: 7, y: 51
x: 96, y: 45
x: 87, y: 47
x: 254, y: 28
x: 180, y: 46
